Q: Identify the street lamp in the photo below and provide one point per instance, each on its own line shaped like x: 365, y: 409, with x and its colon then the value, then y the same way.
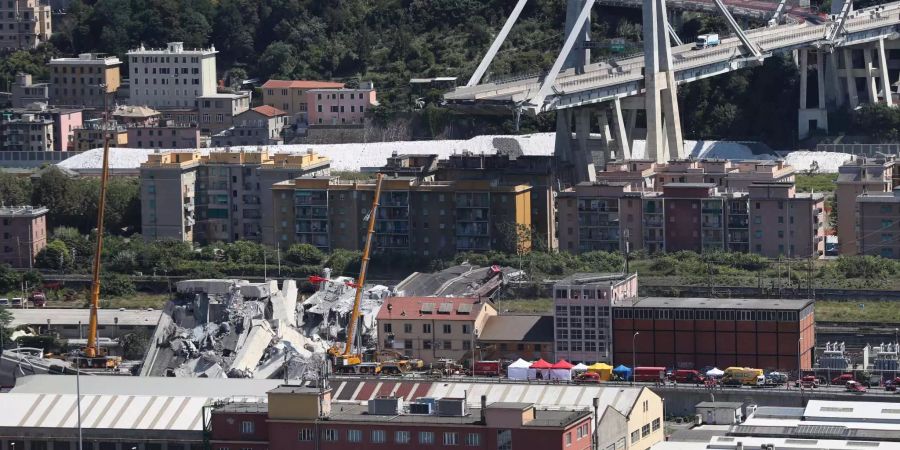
x: 633, y: 359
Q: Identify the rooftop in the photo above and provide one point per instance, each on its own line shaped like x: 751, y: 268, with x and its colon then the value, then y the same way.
x: 731, y: 443
x: 135, y: 112
x: 880, y: 197
x: 87, y: 59
x: 301, y: 84
x: 721, y: 303
x: 542, y: 417
x: 523, y: 328
x: 732, y: 405
x: 129, y: 317
x: 172, y: 48
x: 268, y: 111
x: 23, y: 211
x: 431, y: 308
x: 148, y: 386
x: 594, y: 279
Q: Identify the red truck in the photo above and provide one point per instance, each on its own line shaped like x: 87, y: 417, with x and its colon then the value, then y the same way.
x: 649, y: 374
x: 487, y: 369
x: 688, y: 376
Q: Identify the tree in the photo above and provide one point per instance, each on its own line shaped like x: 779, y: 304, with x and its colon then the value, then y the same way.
x: 278, y: 61
x: 134, y: 345
x: 244, y: 252
x: 5, y: 320
x: 304, y: 254
x: 14, y: 191
x: 54, y: 256
x: 116, y: 285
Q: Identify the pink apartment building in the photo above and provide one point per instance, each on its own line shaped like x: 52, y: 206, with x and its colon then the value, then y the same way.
x: 341, y: 106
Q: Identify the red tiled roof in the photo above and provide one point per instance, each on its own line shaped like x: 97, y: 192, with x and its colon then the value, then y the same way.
x: 269, y: 111
x: 431, y: 308
x: 302, y: 84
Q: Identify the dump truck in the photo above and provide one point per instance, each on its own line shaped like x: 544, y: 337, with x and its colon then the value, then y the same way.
x: 743, y: 376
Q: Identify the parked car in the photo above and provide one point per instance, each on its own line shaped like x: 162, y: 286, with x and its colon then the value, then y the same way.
x: 588, y: 377
x: 842, y: 379
x: 807, y: 382
x: 4, y: 302
x: 856, y: 388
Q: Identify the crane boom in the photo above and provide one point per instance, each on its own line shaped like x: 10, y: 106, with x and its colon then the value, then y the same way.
x: 364, y: 265
x: 92, y: 350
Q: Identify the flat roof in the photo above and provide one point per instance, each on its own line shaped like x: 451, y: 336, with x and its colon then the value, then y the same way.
x: 524, y: 328
x: 721, y: 303
x: 61, y: 316
x: 152, y: 386
x: 732, y: 405
x: 731, y: 442
x: 23, y: 211
x: 542, y: 417
x: 852, y: 411
x: 689, y: 185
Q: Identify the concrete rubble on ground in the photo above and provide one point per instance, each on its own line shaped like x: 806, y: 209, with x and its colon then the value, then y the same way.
x: 328, y: 311
x: 464, y: 280
x: 232, y: 328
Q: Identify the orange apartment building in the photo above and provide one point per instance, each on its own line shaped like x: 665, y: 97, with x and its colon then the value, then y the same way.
x: 84, y: 81
x: 860, y: 176
x: 414, y: 216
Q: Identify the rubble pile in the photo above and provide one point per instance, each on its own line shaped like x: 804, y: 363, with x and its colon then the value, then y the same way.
x: 239, y: 329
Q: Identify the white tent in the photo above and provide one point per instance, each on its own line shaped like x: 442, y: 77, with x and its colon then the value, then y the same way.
x: 580, y: 367
x: 715, y: 372
x: 518, y: 370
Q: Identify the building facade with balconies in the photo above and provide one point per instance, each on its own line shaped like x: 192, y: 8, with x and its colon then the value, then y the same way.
x: 225, y: 196
x: 878, y: 224
x: 24, y: 24
x: 451, y: 217
x: 860, y: 176
x: 172, y: 76
x: 23, y: 234
x: 85, y: 82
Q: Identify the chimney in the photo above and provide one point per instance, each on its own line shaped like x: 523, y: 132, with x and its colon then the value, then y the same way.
x: 483, y: 409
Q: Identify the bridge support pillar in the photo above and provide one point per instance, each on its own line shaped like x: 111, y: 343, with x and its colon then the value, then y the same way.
x: 810, y: 119
x: 834, y: 92
x: 605, y: 152
x: 575, y: 150
x: 871, y: 88
x: 580, y: 56
x: 852, y: 95
x: 659, y: 81
x: 623, y: 143
x: 885, y: 78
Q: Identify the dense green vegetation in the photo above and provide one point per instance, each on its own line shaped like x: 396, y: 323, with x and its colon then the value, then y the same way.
x: 816, y: 182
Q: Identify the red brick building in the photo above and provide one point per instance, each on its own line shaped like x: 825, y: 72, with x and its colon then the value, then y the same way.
x: 700, y: 332
x: 299, y: 418
x: 23, y: 233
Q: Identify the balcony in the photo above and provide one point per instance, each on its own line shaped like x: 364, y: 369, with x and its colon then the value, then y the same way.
x: 472, y: 229
x: 472, y: 215
x: 654, y: 221
x: 392, y: 227
x: 738, y: 222
x: 473, y: 244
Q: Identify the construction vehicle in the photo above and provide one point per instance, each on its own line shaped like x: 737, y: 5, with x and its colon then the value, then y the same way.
x: 346, y: 361
x: 743, y: 376
x: 394, y: 363
x: 93, y: 355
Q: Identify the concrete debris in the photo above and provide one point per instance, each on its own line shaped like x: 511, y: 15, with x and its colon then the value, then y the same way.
x: 464, y: 280
x: 238, y: 329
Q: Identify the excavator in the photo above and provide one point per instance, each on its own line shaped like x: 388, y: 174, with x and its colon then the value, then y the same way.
x: 346, y: 361
x: 92, y: 356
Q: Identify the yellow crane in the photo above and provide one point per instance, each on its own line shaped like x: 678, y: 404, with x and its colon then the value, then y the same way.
x: 347, y: 360
x: 92, y: 355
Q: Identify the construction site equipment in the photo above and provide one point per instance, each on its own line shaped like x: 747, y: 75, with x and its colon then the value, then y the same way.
x: 93, y: 356
x: 346, y: 360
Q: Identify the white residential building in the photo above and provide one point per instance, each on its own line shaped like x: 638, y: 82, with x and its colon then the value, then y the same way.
x: 171, y: 77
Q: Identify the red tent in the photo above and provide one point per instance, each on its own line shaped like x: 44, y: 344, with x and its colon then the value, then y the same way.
x: 562, y: 364
x: 541, y: 364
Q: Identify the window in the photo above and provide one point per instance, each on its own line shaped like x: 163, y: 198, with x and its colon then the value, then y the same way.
x: 426, y: 437
x: 354, y: 435
x: 447, y: 329
x: 247, y: 427
x: 378, y: 436
x: 407, y: 328
x: 388, y: 328
x: 568, y: 439
x: 466, y: 329
x: 426, y: 328
x: 331, y: 435
x: 401, y: 437
x: 504, y: 439
x: 305, y: 435
x: 645, y: 430
x: 655, y: 424
x: 473, y: 440
x: 451, y: 438
x: 448, y: 345
x: 635, y: 436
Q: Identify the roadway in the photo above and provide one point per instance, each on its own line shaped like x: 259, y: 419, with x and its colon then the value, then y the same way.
x: 605, y: 80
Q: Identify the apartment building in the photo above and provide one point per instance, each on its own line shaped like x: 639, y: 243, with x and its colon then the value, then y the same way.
x: 86, y: 81
x: 338, y: 107
x: 222, y: 196
x: 583, y: 305
x: 291, y: 96
x: 216, y: 112
x: 538, y: 171
x: 171, y: 76
x: 432, y: 328
x: 878, y: 224
x: 448, y: 217
x: 727, y: 176
x: 772, y: 334
x: 25, y: 92
x: 26, y: 133
x: 860, y: 175
x: 165, y: 134
x: 91, y: 135
x: 611, y: 216
x: 65, y: 121
x: 24, y: 24
x: 23, y: 234
x: 309, y: 418
x: 263, y: 125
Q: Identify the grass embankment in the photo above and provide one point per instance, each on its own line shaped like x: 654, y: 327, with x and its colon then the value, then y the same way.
x: 820, y: 182
x: 140, y: 300
x: 858, y: 311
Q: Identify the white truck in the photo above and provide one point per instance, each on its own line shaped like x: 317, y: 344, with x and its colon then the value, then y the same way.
x: 706, y: 41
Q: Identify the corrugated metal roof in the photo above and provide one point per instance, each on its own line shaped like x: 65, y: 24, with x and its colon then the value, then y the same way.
x: 152, y: 386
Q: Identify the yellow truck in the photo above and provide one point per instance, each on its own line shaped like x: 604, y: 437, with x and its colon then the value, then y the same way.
x: 743, y: 376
